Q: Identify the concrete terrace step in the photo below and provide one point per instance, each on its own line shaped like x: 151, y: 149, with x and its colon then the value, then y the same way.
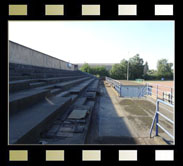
x: 65, y: 85
x: 60, y: 79
x: 65, y: 135
x: 30, y: 68
x: 62, y: 84
x: 26, y: 127
x: 91, y: 95
x: 35, y: 69
x: 32, y: 83
x: 20, y: 84
x: 94, y: 87
x: 81, y: 101
x: 23, y: 77
x: 68, y: 92
x: 95, y: 84
x: 81, y: 87
x: 74, y: 129
x: 24, y: 99
x: 13, y: 78
x: 36, y: 84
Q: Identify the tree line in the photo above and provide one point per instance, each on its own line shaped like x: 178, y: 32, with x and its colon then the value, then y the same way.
x: 134, y: 68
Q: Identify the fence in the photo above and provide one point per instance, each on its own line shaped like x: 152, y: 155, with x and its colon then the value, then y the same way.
x: 155, y: 91
x: 156, y: 118
x: 116, y: 84
x: 127, y: 90
x: 162, y: 92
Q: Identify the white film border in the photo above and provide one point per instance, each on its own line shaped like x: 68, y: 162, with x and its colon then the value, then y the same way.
x: 91, y: 10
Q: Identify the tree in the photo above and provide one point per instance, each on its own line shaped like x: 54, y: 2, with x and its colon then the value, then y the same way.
x: 116, y: 71
x: 85, y: 68
x: 146, y: 68
x: 97, y: 70
x: 164, y: 69
x: 136, y: 67
x: 124, y: 65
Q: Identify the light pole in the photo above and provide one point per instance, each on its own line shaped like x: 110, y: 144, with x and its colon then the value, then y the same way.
x: 127, y: 70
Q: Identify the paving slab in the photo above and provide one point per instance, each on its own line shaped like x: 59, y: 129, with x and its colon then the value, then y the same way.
x: 67, y: 129
x: 64, y: 134
x: 78, y: 114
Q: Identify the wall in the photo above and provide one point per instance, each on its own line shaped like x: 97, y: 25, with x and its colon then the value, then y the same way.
x: 23, y: 55
x: 132, y: 91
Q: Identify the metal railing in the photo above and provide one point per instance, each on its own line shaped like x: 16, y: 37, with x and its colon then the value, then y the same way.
x: 157, y: 91
x: 162, y: 92
x: 143, y: 92
x: 116, y: 84
x: 156, y: 118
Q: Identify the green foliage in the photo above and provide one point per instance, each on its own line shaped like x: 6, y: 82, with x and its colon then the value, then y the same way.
x: 164, y: 69
x: 115, y: 72
x: 119, y: 71
x: 97, y: 70
x: 85, y: 68
x: 137, y: 70
x: 136, y: 67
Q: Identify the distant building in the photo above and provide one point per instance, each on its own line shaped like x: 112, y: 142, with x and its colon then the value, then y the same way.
x: 107, y: 65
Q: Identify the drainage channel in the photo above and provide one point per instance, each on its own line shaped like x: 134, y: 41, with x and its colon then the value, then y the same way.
x: 72, y: 126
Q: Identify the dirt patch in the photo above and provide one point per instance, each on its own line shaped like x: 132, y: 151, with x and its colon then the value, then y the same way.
x: 132, y: 107
x: 135, y: 110
x: 146, y: 105
x: 126, y: 102
x: 145, y: 122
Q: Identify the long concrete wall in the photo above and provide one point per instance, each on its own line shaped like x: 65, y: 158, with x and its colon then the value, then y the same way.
x: 23, y: 55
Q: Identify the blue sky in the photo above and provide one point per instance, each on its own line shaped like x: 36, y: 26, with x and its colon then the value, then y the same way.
x: 97, y: 41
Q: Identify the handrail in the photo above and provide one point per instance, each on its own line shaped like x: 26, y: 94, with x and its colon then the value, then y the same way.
x: 116, y: 84
x: 142, y: 91
x: 156, y: 91
x: 156, y: 119
x: 150, y: 83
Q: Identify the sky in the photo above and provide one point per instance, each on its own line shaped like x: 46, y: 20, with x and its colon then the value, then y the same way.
x: 97, y: 41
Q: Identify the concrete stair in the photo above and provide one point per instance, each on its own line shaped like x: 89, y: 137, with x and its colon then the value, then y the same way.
x: 36, y: 99
x: 66, y: 130
x: 22, y: 72
x: 32, y: 83
x: 26, y: 126
x: 24, y: 99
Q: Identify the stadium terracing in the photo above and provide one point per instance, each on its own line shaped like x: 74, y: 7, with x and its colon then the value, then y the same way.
x: 52, y: 102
